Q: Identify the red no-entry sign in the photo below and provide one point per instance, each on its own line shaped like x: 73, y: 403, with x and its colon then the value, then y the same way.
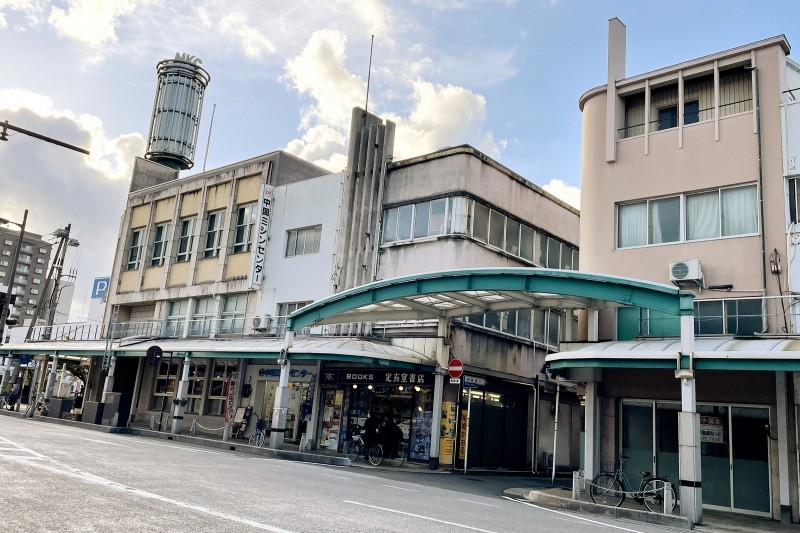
x: 455, y: 369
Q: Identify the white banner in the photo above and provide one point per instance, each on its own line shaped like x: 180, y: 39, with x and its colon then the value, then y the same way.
x: 261, y: 237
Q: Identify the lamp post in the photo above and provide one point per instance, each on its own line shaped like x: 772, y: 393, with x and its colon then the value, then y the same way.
x: 5, y: 301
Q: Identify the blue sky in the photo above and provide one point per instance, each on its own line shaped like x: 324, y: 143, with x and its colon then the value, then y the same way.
x: 502, y: 75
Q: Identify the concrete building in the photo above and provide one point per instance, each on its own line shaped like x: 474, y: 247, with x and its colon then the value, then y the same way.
x: 688, y: 178
x: 31, y: 276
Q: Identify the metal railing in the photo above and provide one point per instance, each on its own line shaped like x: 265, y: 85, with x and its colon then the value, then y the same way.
x: 692, y: 117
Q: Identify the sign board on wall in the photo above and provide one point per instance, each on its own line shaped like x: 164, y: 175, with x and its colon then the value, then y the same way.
x: 265, y: 205
x: 99, y: 287
x: 712, y: 430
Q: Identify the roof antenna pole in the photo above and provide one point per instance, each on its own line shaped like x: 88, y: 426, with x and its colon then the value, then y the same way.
x: 208, y: 141
x: 369, y: 72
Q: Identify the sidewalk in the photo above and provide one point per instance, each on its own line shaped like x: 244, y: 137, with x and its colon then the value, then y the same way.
x: 561, y: 498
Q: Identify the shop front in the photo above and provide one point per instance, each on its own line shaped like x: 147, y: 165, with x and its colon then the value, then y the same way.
x: 258, y: 392
x: 403, y: 395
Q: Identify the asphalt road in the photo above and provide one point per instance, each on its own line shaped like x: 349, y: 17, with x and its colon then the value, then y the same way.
x: 59, y: 478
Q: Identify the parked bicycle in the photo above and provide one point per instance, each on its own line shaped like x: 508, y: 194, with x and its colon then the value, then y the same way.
x: 611, y: 488
x: 38, y: 403
x: 9, y: 399
x: 259, y: 436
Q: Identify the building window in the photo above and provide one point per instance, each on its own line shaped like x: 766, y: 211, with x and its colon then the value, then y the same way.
x: 691, y: 112
x: 27, y: 248
x: 34, y: 291
x: 2, y: 274
x: 39, y: 260
x: 203, y: 317
x: 234, y: 308
x: 186, y: 239
x: 711, y: 214
x: 8, y: 242
x: 135, y: 250
x: 6, y: 253
x: 165, y: 385
x: 31, y: 301
x: 25, y: 258
x: 246, y: 216
x: 4, y: 263
x: 668, y: 117
x: 303, y: 241
x: 736, y: 316
x: 42, y: 250
x: 222, y: 372
x: 23, y: 269
x: 213, y: 234
x: 159, y: 245
x: 197, y: 382
x: 539, y: 325
x: 286, y: 309
x: 29, y: 312
x: 176, y: 318
x: 35, y: 281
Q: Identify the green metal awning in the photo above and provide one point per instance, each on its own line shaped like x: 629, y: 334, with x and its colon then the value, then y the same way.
x: 459, y: 293
x: 710, y: 353
x: 329, y: 349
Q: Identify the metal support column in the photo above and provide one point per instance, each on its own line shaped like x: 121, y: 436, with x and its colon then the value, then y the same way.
x: 179, y: 407
x: 51, y: 379
x: 590, y: 431
x: 281, y: 396
x: 781, y: 414
x: 691, y: 491
x: 442, y: 361
x: 108, y: 386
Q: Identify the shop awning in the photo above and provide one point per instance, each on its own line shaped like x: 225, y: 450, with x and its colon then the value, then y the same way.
x: 459, y: 293
x: 328, y: 349
x: 710, y: 353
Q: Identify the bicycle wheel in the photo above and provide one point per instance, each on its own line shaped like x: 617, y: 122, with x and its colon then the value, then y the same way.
x: 653, y: 494
x: 607, y: 490
x: 255, y: 438
x: 397, y: 456
x: 375, y: 454
x: 352, y: 450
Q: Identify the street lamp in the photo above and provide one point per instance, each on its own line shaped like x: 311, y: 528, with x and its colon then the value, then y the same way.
x: 5, y: 300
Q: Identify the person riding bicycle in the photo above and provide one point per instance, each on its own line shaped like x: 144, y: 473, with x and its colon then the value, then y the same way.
x: 369, y: 431
x: 392, y: 435
x: 12, y: 394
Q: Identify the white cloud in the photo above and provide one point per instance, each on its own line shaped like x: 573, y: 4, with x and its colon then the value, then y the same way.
x: 31, y: 9
x: 440, y: 115
x: 59, y: 186
x: 444, y: 5
x: 566, y: 192
x: 92, y: 22
x: 253, y: 42
x: 320, y: 72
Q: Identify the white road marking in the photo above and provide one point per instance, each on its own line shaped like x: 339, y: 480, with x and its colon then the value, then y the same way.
x: 400, y: 488
x: 92, y: 440
x: 479, y: 503
x: 65, y: 470
x: 333, y: 475
x: 419, y: 516
x: 573, y: 516
x: 20, y: 448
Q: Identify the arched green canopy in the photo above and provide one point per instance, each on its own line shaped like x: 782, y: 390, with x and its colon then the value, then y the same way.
x: 459, y: 293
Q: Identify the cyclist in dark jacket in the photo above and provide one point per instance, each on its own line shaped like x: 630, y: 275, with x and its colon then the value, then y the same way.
x: 392, y: 435
x: 370, y: 429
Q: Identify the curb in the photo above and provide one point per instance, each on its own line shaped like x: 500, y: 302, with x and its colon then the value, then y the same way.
x: 245, y: 448
x: 556, y: 502
x: 288, y: 455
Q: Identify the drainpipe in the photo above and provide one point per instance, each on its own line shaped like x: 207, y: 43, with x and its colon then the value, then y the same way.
x: 757, y: 111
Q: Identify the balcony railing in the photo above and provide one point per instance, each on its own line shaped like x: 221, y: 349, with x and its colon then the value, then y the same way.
x: 692, y: 117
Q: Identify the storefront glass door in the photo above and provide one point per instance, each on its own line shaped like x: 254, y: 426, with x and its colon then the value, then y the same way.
x: 637, y: 439
x: 714, y: 455
x: 750, y: 458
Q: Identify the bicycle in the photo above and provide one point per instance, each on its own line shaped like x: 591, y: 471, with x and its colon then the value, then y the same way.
x: 354, y: 448
x: 610, y: 488
x: 40, y: 403
x: 397, y: 454
x: 259, y: 435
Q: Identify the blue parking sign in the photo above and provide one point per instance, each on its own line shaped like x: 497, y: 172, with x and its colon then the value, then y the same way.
x: 99, y: 287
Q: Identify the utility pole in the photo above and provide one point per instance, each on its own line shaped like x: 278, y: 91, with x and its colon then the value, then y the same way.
x: 54, y: 274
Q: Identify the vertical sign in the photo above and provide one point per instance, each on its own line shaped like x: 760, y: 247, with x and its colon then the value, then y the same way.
x: 265, y: 206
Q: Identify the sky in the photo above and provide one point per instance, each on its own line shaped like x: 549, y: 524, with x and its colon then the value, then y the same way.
x: 502, y: 75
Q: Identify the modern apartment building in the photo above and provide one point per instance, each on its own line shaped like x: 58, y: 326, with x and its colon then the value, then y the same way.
x: 31, y: 275
x: 688, y: 178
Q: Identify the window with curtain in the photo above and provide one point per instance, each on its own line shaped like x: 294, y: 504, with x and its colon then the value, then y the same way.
x: 739, y: 210
x: 665, y: 220
x: 702, y: 216
x: 632, y: 225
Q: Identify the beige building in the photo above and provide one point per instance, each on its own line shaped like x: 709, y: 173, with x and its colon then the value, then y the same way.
x: 684, y: 181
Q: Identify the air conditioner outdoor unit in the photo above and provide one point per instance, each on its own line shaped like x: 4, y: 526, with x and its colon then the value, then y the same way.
x: 681, y: 272
x: 262, y: 322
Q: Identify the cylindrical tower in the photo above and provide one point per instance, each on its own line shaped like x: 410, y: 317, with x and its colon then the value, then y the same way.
x: 176, y: 111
